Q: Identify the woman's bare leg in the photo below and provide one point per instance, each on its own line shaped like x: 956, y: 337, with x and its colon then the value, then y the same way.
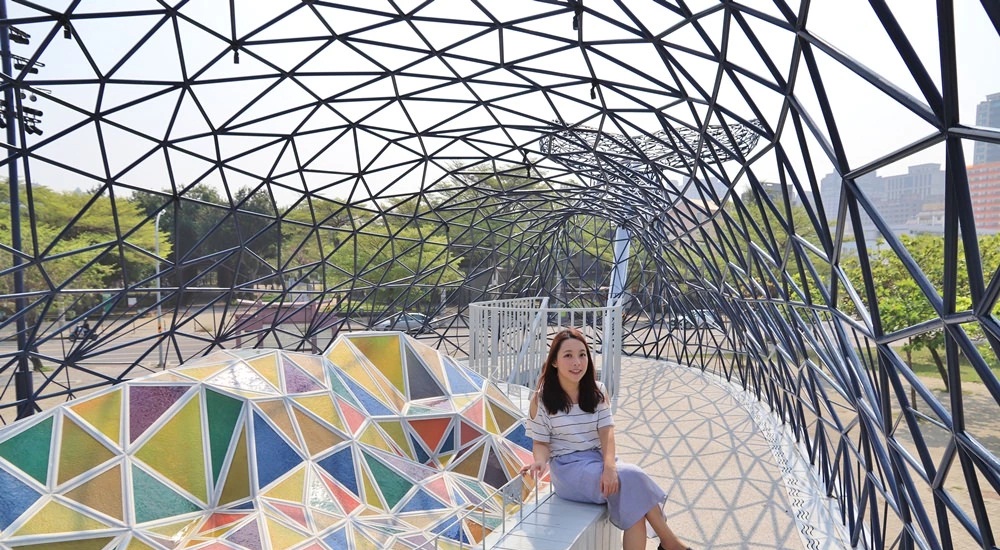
x: 634, y: 538
x: 668, y: 540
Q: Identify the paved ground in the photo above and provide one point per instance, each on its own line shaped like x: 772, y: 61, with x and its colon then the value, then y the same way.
x: 725, y: 488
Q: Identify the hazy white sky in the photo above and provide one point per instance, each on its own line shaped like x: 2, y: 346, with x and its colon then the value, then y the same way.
x: 870, y: 123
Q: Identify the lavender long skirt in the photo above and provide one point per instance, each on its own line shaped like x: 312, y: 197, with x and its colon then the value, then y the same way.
x: 577, y: 476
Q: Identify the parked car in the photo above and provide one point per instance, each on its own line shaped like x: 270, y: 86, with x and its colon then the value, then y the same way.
x: 406, y: 322
x: 696, y: 318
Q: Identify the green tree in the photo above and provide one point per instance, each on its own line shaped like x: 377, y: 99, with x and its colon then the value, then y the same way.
x: 77, y: 237
x: 389, y: 264
x: 901, y: 302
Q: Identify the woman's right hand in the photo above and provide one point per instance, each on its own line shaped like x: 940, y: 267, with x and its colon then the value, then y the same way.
x: 535, y: 470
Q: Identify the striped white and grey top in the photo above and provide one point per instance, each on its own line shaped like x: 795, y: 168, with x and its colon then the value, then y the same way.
x: 569, y: 432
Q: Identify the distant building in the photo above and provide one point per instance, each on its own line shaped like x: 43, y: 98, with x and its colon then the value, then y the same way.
x: 873, y: 188
x: 988, y: 115
x: 774, y: 191
x: 907, y: 203
x: 930, y: 219
x: 984, y: 188
x: 907, y: 194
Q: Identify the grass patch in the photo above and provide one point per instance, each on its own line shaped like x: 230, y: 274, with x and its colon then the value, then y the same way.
x: 923, y: 364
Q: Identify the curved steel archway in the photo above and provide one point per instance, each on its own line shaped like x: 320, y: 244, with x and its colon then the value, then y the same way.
x: 187, y: 176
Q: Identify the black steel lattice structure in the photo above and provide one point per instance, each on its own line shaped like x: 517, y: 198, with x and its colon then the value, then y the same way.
x: 187, y: 176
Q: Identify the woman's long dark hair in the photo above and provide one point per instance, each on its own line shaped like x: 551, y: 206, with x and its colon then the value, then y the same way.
x: 553, y: 396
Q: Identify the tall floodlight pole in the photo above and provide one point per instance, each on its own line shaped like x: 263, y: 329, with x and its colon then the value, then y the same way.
x: 159, y: 311
x: 619, y: 270
x: 22, y: 377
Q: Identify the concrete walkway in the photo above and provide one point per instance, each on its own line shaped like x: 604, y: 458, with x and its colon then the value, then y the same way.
x: 722, y: 467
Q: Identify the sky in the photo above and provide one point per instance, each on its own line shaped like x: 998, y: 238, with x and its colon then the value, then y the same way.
x: 871, y: 124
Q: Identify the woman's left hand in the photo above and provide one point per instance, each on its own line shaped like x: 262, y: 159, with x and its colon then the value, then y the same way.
x: 609, y: 481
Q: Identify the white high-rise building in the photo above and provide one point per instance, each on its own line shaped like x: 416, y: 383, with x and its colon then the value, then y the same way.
x: 988, y: 115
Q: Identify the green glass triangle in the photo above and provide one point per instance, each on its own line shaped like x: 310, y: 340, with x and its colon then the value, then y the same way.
x: 338, y: 388
x: 154, y: 500
x: 223, y: 413
x: 29, y: 450
x: 393, y: 486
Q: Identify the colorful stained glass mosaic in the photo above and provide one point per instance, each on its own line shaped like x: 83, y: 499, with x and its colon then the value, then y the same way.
x: 381, y: 442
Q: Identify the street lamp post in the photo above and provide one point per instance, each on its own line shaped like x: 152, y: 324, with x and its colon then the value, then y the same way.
x: 159, y: 311
x: 23, y: 382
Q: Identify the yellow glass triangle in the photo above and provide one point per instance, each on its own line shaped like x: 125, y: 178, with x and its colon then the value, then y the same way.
x: 237, y: 485
x: 373, y: 436
x: 394, y: 429
x: 317, y: 437
x: 103, y: 412
x: 342, y: 355
x: 103, y: 493
x: 79, y: 452
x: 249, y: 394
x: 491, y: 423
x: 166, y: 377
x: 276, y: 410
x: 385, y: 353
x: 56, y: 517
x: 203, y: 372
x: 177, y: 530
x: 325, y: 521
x: 218, y: 533
x: 503, y: 419
x: 363, y: 543
x: 354, y: 367
x: 463, y: 400
x: 177, y: 450
x: 427, y: 518
x: 373, y: 498
x: 322, y: 406
x: 86, y: 544
x: 470, y: 463
x: 445, y: 459
x: 281, y: 535
x: 136, y: 544
x: 267, y: 366
x: 291, y: 489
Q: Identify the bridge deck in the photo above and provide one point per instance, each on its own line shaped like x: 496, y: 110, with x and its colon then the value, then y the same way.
x: 731, y: 479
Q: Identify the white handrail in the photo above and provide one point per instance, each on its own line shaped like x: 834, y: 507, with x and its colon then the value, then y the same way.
x: 509, y: 338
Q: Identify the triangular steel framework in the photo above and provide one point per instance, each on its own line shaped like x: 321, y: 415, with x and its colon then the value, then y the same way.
x: 279, y: 171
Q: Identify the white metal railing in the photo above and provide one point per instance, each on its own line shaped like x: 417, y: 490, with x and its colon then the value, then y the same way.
x: 501, y: 511
x: 509, y: 338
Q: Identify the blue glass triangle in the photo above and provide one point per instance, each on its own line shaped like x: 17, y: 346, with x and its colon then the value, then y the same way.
x: 15, y: 497
x: 275, y: 456
x: 422, y: 501
x: 451, y: 528
x: 337, y: 540
x: 422, y: 456
x: 374, y: 406
x: 340, y: 466
x: 458, y: 382
x: 449, y: 442
x: 519, y: 437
